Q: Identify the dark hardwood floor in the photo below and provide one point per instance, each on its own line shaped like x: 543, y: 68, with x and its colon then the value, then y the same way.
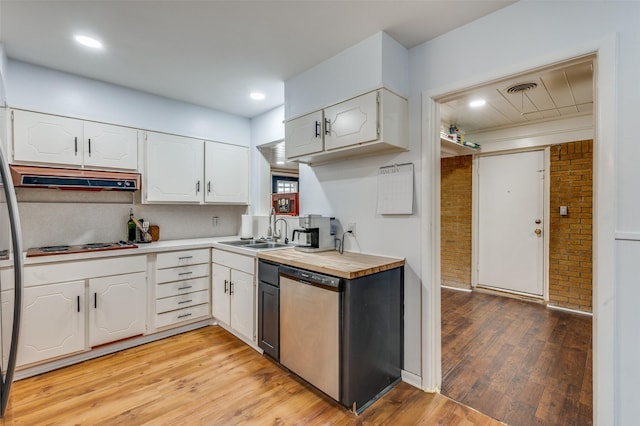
x: 516, y: 361
x: 207, y: 377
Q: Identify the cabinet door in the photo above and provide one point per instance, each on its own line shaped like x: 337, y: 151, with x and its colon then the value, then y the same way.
x: 242, y: 303
x: 304, y: 135
x: 44, y: 138
x: 226, y: 173
x: 108, y: 146
x: 174, y: 169
x: 53, y: 321
x: 117, y: 307
x: 220, y: 281
x: 352, y: 122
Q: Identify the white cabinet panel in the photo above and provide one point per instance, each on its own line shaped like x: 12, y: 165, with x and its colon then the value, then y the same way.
x: 242, y: 303
x: 117, y: 307
x: 181, y: 273
x: 53, y: 322
x: 181, y: 287
x: 226, y: 173
x: 352, y: 122
x: 181, y: 315
x: 220, y: 308
x: 233, y: 295
x: 174, y: 168
x: 182, y: 301
x: 182, y: 258
x: 109, y: 146
x: 44, y: 138
x: 304, y: 135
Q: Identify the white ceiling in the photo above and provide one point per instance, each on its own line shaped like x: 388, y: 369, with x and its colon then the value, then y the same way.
x: 563, y: 90
x: 213, y: 53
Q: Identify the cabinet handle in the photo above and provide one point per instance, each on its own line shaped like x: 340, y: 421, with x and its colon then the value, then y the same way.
x: 327, y: 126
x: 184, y: 301
x: 317, y: 129
x: 184, y: 315
x: 185, y: 273
x: 75, y: 150
x: 185, y: 257
x: 89, y: 147
x: 185, y: 287
x: 209, y: 187
x: 225, y: 286
x: 78, y: 303
x: 197, y: 187
x: 230, y: 287
x: 95, y: 300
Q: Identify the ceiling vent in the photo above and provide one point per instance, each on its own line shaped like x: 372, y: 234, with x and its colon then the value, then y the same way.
x: 521, y: 87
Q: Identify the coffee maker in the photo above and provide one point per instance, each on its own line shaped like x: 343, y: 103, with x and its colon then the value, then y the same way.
x: 314, y: 234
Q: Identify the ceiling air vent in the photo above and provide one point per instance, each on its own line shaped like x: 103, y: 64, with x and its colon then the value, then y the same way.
x: 521, y: 87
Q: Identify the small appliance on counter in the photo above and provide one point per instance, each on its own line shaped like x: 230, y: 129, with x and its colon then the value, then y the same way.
x: 314, y: 234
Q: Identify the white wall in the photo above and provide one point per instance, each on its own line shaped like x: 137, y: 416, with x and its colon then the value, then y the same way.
x: 3, y: 74
x: 45, y: 90
x: 518, y: 38
x: 265, y: 128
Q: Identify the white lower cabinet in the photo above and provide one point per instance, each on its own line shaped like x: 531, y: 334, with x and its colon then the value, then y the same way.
x: 53, y: 322
x: 234, y: 292
x: 182, y: 287
x: 61, y: 298
x: 117, y: 307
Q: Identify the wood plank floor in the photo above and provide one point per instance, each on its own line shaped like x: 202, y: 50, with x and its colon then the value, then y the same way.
x: 516, y: 361
x: 207, y: 377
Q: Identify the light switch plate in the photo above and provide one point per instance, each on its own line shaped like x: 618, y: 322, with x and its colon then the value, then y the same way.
x: 564, y: 210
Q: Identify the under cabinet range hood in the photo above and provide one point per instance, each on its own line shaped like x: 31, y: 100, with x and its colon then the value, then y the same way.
x: 84, y: 180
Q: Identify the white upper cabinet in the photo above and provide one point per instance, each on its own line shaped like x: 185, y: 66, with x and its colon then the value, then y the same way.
x: 373, y: 123
x: 304, y: 135
x: 61, y: 141
x: 226, y: 173
x: 173, y: 169
x: 110, y: 146
x: 187, y: 170
x: 351, y: 122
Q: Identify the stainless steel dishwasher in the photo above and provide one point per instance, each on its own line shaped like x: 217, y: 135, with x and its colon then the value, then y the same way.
x: 310, y: 315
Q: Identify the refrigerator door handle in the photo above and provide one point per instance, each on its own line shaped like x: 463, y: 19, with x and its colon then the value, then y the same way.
x: 16, y: 239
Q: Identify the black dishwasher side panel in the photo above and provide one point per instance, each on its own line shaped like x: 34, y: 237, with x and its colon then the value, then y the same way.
x: 269, y: 309
x: 373, y: 337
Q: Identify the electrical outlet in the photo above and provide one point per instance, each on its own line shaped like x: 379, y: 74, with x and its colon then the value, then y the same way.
x: 351, y: 226
x: 215, y: 220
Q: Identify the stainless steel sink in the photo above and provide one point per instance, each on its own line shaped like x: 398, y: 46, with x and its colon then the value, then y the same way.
x: 255, y: 244
x: 259, y: 246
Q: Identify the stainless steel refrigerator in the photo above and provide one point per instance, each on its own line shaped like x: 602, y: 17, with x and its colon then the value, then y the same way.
x: 11, y: 291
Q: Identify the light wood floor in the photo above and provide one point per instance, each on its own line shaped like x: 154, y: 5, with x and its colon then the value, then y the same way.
x: 517, y: 361
x: 207, y: 377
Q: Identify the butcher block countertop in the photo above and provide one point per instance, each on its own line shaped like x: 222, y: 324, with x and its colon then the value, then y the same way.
x: 347, y: 265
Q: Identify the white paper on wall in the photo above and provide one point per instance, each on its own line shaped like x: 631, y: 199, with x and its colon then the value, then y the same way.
x: 395, y: 189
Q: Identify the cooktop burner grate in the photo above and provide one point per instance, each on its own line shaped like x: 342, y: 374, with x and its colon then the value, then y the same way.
x: 97, y: 245
x: 53, y: 249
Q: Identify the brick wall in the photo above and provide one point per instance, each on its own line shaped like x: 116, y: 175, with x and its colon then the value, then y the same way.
x: 570, y: 237
x: 455, y: 221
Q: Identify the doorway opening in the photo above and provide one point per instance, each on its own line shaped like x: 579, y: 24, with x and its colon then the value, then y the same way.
x: 495, y: 239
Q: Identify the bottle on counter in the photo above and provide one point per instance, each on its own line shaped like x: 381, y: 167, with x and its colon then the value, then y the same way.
x: 131, y: 228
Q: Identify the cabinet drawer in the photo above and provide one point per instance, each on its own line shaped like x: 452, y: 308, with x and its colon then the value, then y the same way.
x: 182, y: 273
x: 181, y: 287
x: 187, y: 314
x: 182, y: 258
x: 182, y: 301
x: 234, y: 261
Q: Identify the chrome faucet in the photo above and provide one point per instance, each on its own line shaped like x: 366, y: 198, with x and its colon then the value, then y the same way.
x: 276, y: 234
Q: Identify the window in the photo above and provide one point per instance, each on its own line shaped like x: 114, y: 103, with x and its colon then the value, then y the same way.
x: 284, y: 184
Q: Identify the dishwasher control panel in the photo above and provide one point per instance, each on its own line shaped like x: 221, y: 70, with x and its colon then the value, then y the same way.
x: 311, y: 277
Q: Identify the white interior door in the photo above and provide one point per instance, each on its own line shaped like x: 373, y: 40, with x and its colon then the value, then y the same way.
x: 510, y: 222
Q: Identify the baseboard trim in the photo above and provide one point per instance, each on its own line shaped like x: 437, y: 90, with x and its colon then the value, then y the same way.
x: 572, y: 311
x: 412, y: 379
x: 466, y: 290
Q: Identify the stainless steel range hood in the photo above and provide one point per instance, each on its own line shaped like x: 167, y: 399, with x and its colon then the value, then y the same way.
x: 76, y: 179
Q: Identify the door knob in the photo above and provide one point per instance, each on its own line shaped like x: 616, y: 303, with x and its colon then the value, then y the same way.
x: 538, y: 231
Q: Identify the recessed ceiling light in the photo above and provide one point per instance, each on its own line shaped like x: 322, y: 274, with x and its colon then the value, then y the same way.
x: 88, y: 41
x: 477, y: 103
x: 257, y: 96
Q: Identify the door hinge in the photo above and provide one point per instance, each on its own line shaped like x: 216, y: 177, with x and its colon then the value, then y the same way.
x: 378, y: 97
